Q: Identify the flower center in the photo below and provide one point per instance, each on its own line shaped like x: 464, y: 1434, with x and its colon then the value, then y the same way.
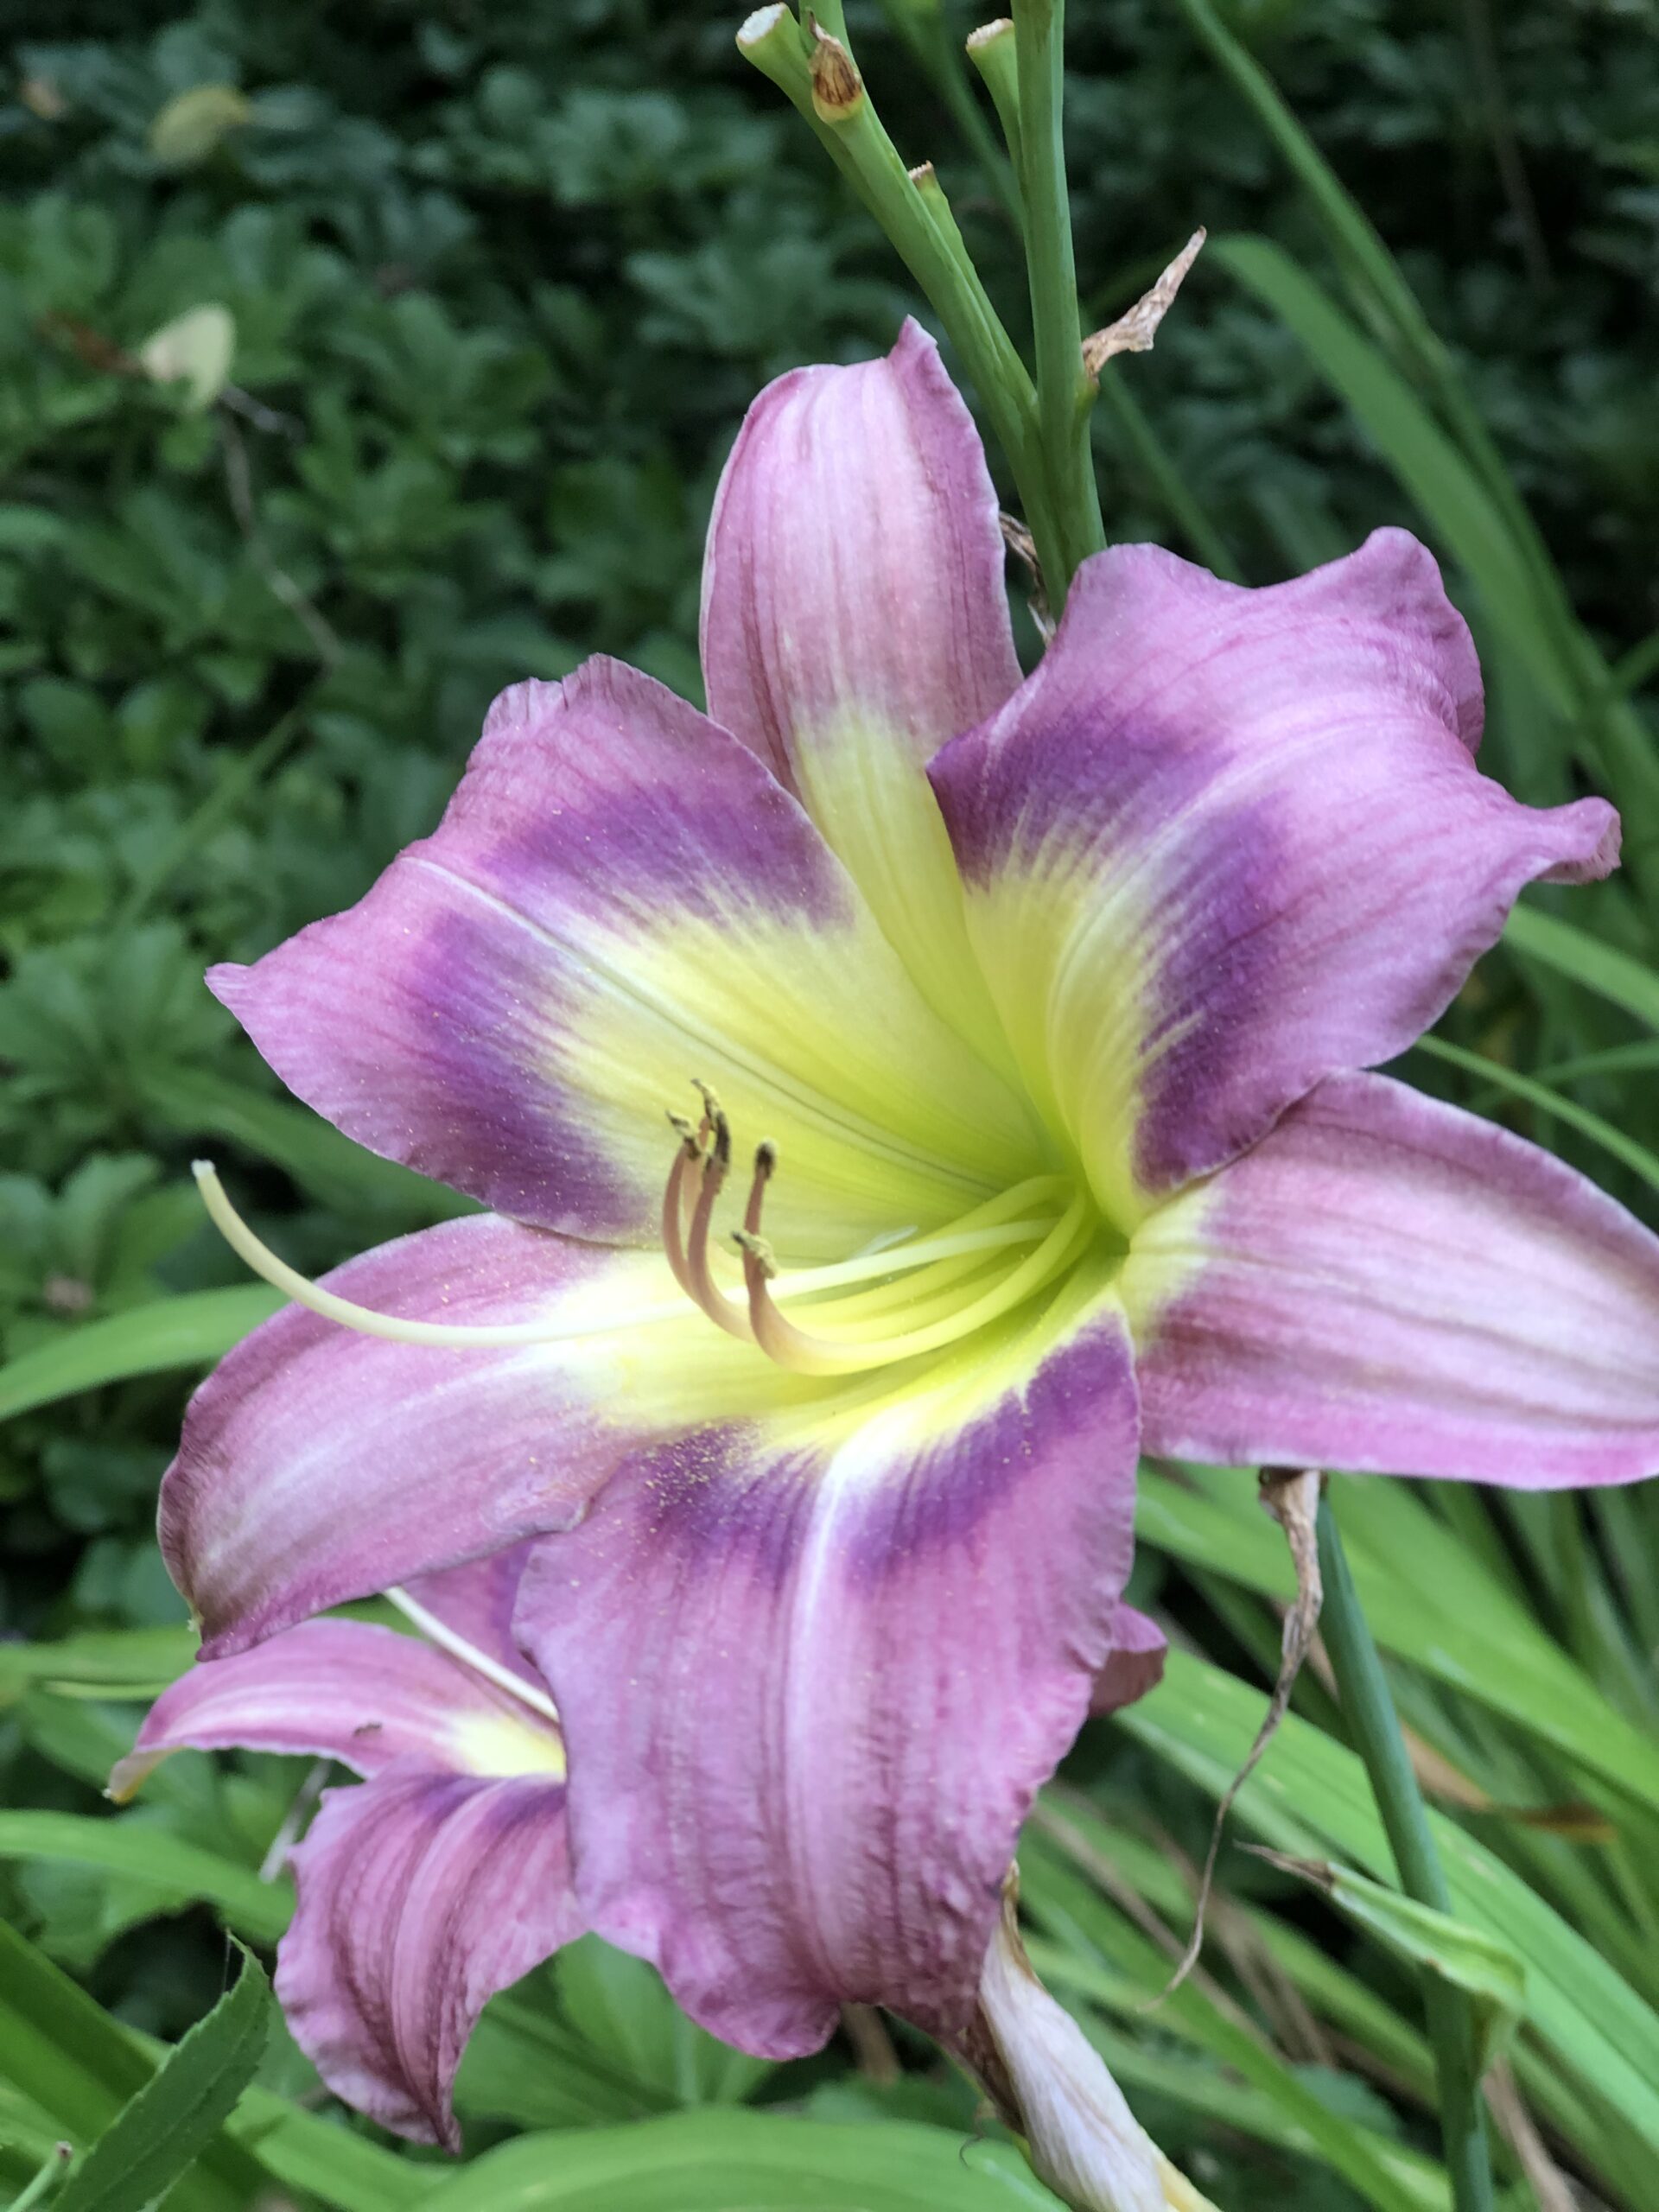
x: 909, y: 1297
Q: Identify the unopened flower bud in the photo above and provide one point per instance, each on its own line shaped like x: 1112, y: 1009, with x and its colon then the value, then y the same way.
x: 1082, y: 2138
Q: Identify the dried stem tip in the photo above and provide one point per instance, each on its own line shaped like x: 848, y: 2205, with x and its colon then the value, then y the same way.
x: 1134, y: 332
x: 837, y: 88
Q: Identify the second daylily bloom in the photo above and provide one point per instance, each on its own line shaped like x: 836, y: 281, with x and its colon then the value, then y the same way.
x: 1028, y: 1017
x: 441, y: 1879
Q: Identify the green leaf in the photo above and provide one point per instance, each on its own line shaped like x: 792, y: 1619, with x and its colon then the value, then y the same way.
x: 1309, y: 1797
x: 65, y: 2054
x: 76, y: 2066
x: 1429, y: 1600
x: 621, y: 2007
x: 745, y: 2162
x: 160, y: 2133
x: 185, y: 1870
x: 112, y: 1662
x: 1572, y: 952
x: 1486, y: 1968
x: 197, y: 1103
x: 1635, y: 1156
x: 1066, y: 1905
x: 190, y: 1330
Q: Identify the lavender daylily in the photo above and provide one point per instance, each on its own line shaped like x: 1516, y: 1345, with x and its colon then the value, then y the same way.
x: 1029, y: 1017
x: 441, y: 1878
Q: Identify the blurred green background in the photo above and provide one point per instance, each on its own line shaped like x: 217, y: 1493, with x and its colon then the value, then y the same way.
x: 501, y: 282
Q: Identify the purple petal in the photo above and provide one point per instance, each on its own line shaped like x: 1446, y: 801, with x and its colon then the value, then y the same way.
x: 855, y: 564
x: 420, y: 1895
x: 1134, y: 1663
x: 854, y: 618
x: 476, y: 1601
x: 812, y: 1676
x: 1385, y: 1283
x: 620, y: 898
x: 346, y: 1690
x: 318, y: 1464
x: 1224, y: 843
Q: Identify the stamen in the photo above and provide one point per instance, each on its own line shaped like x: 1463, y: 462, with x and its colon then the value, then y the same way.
x: 727, y: 1313
x: 397, y: 1328
x: 903, y: 1259
x: 810, y: 1354
x: 677, y: 1199
x: 441, y: 1633
x: 959, y: 1250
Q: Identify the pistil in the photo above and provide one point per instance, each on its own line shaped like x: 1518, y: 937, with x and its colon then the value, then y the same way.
x: 809, y: 1353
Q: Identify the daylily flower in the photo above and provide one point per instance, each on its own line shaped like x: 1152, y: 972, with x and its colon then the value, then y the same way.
x: 1028, y: 1016
x: 445, y: 1875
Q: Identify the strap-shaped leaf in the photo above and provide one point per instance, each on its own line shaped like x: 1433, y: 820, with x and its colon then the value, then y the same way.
x: 714, y: 2161
x: 157, y: 2137
x: 1487, y: 1969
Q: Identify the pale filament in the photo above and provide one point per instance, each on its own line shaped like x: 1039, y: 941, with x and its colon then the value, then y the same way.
x: 440, y: 1632
x: 807, y: 1353
x: 469, y: 1336
x: 397, y: 1328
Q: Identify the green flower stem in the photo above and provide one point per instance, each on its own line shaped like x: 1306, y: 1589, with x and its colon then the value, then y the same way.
x: 922, y: 26
x: 991, y: 50
x: 1367, y: 1711
x: 1064, y: 391
x: 932, y: 195
x: 858, y: 143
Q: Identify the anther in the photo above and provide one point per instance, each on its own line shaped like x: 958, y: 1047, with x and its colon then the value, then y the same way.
x: 686, y: 1129
x: 758, y: 1249
x: 699, y: 1281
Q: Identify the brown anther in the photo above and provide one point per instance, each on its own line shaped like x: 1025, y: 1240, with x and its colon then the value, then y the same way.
x: 686, y: 1129
x: 758, y: 1249
x: 837, y: 88
x: 719, y: 1152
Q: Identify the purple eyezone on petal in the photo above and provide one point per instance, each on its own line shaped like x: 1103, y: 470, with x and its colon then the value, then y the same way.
x: 1227, y: 842
x: 810, y: 1688
x: 620, y: 899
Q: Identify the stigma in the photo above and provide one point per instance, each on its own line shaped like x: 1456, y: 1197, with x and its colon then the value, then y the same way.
x: 908, y: 1299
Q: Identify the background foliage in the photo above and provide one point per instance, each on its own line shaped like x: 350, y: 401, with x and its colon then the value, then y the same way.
x: 502, y: 281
